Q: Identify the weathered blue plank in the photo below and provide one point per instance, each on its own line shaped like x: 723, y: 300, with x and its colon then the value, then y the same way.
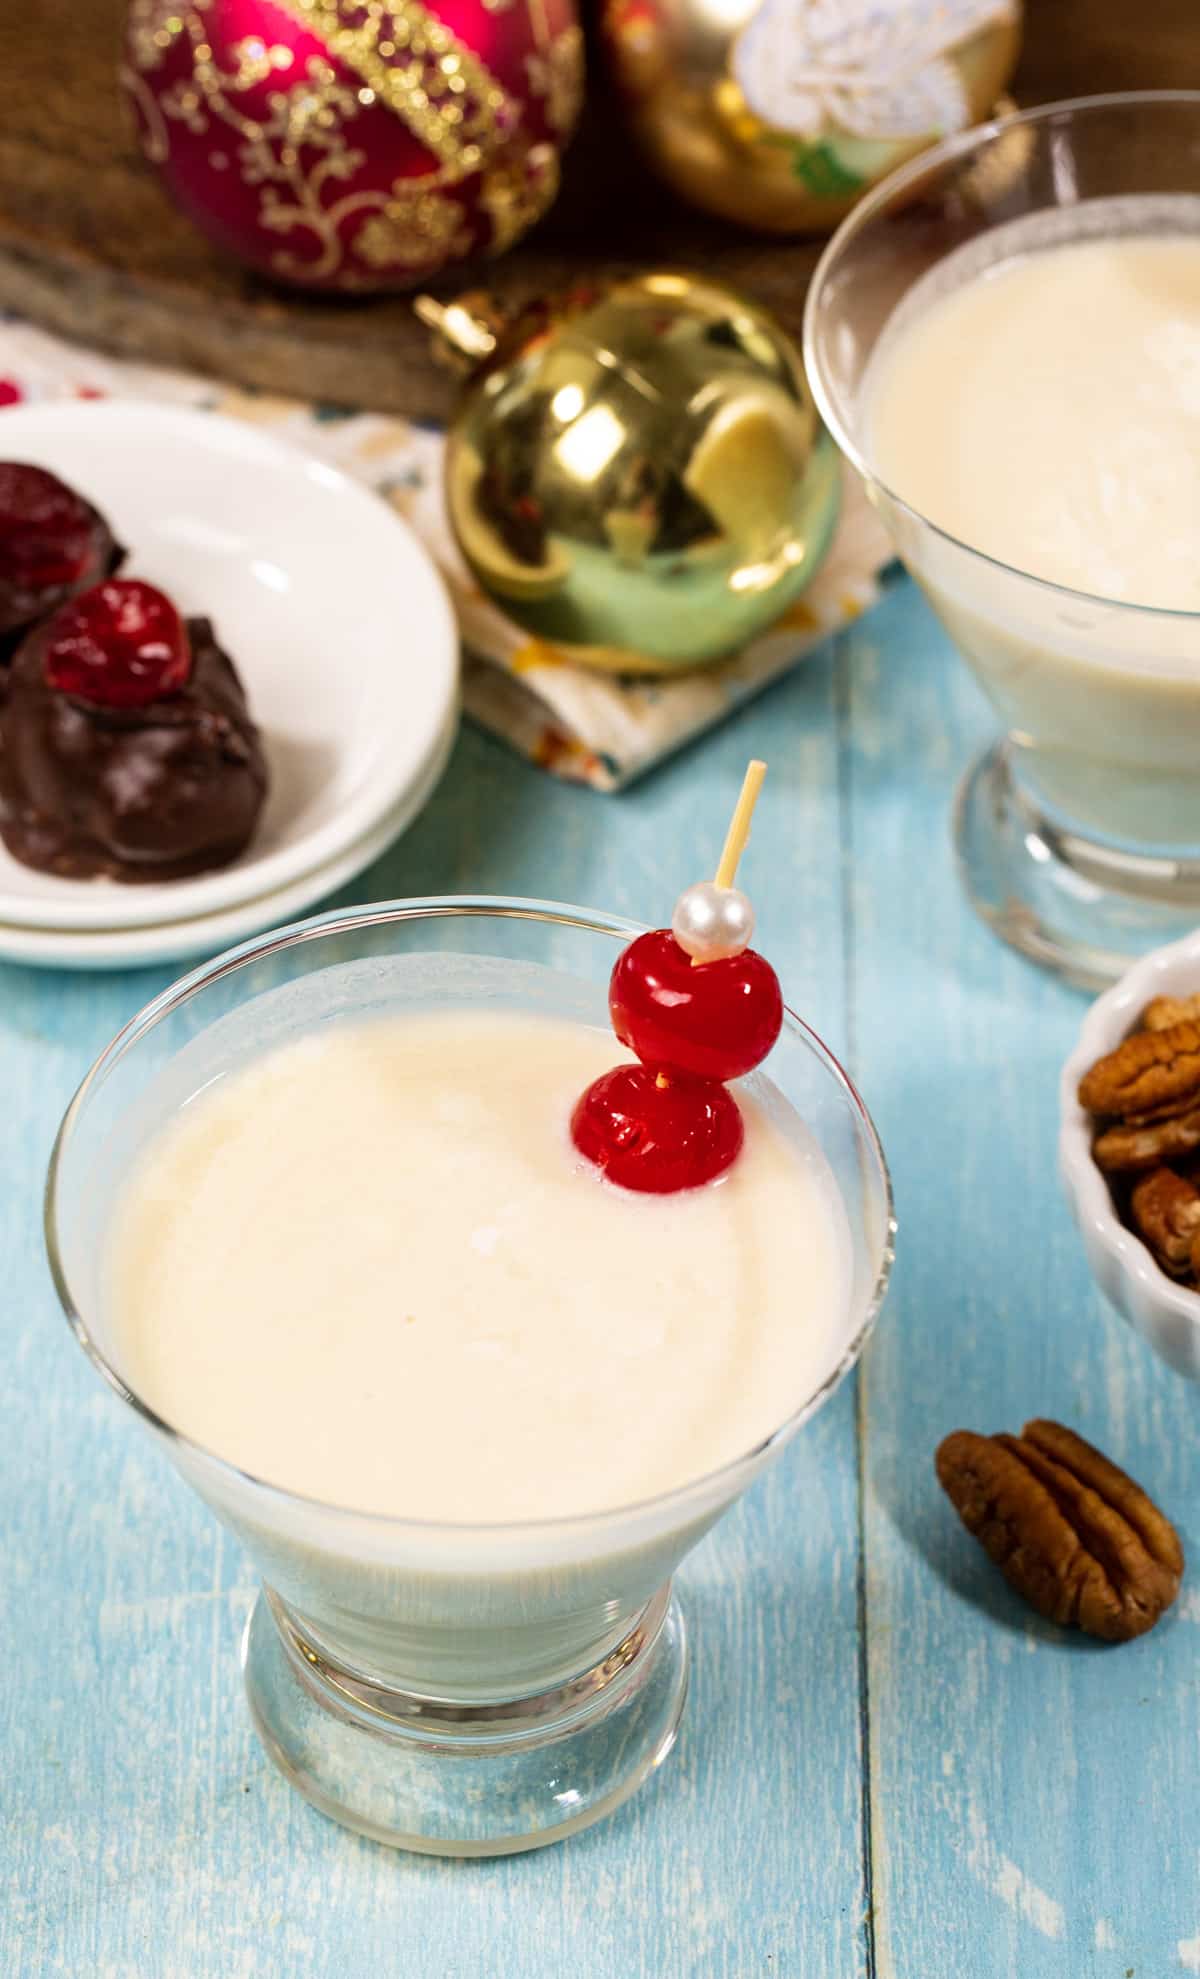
x: 145, y: 1834
x: 1034, y: 1797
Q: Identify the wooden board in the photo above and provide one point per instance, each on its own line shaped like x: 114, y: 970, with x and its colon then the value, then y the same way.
x: 90, y: 246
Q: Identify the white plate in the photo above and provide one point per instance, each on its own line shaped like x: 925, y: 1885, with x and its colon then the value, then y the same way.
x: 331, y: 609
x: 207, y: 934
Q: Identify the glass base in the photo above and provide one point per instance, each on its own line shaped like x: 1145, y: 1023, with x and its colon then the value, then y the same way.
x: 1074, y: 904
x: 466, y: 1780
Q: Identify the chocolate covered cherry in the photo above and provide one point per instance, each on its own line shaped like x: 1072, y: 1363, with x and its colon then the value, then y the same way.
x: 95, y: 783
x: 121, y: 645
x: 657, y: 1135
x: 714, y: 1020
x: 45, y: 528
x: 52, y: 544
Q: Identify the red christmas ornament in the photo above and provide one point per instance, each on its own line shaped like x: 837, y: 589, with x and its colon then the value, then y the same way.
x: 356, y: 144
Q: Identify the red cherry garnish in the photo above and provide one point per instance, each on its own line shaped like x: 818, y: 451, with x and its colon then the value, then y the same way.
x: 657, y: 1138
x: 716, y: 1020
x: 120, y: 645
x: 46, y: 530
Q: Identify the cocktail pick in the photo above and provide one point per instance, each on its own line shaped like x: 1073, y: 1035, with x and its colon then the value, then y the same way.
x: 697, y: 1011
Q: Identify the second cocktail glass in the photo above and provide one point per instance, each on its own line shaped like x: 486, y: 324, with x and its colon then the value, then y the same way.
x: 1078, y: 832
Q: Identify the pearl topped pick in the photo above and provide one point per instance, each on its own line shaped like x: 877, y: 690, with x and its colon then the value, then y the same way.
x: 711, y: 921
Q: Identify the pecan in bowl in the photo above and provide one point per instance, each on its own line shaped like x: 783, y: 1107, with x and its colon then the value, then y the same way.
x: 1129, y: 1148
x: 1144, y: 1097
x: 1069, y: 1530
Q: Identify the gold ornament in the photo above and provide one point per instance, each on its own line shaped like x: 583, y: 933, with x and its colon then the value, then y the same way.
x: 636, y: 472
x: 778, y: 114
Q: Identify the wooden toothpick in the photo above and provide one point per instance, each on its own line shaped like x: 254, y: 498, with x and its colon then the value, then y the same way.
x: 739, y: 824
x: 737, y: 836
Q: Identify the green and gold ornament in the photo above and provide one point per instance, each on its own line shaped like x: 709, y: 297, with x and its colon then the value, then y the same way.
x: 779, y: 114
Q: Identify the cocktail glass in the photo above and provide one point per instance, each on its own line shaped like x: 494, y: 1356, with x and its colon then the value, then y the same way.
x: 1078, y: 831
x: 462, y: 1690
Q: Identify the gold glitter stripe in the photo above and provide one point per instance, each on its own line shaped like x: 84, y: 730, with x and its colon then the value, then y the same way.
x: 539, y: 23
x: 420, y: 71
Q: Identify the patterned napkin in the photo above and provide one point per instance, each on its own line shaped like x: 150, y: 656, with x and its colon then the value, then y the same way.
x: 588, y: 727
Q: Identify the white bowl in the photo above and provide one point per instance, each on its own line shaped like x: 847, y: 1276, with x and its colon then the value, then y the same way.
x: 207, y: 934
x: 331, y: 609
x: 1166, y: 1314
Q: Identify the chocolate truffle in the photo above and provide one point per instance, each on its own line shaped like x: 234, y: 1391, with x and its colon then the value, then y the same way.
x: 155, y: 791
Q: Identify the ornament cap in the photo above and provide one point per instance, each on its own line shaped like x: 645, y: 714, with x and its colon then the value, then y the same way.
x: 465, y: 332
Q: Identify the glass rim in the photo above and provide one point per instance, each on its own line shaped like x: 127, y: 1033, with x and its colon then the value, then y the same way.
x: 382, y: 914
x: 977, y: 138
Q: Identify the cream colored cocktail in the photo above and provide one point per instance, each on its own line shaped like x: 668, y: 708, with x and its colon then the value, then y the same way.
x: 1043, y: 408
x: 371, y: 1268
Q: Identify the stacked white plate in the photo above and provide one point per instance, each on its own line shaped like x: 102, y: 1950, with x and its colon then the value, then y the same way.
x: 341, y: 630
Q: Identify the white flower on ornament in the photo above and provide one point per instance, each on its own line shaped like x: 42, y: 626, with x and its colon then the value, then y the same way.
x: 873, y: 69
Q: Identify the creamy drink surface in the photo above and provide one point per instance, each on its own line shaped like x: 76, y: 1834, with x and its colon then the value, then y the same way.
x: 1037, y: 398
x: 1048, y: 413
x: 370, y: 1267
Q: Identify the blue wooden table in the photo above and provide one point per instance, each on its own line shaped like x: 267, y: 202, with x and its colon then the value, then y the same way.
x: 888, y: 1767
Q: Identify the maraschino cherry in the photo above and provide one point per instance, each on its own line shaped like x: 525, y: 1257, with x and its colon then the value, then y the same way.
x: 698, y: 1007
x: 120, y: 645
x: 47, y: 531
x: 715, y: 1019
x: 657, y: 1134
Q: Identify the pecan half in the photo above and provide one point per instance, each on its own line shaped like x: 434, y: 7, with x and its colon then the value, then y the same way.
x: 1070, y: 1531
x: 1166, y: 1011
x: 1150, y: 1072
x: 1166, y: 1211
x: 1127, y: 1149
x: 1171, y: 1111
